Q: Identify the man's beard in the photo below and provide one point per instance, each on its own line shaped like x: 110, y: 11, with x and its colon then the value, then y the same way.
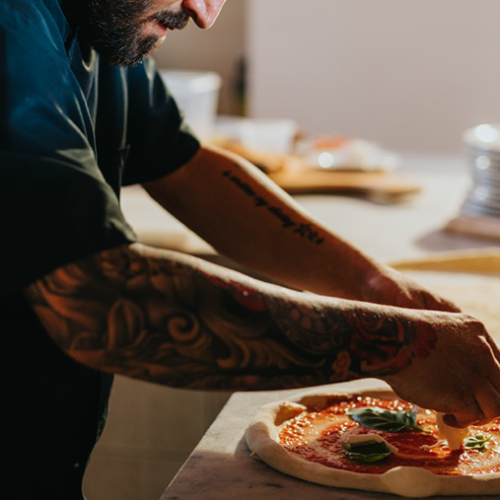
x: 114, y: 28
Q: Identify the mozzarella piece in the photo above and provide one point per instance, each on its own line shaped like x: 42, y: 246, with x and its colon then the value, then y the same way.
x: 356, y: 439
x: 452, y: 435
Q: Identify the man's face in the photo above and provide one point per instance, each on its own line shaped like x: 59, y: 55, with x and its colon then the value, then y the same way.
x: 126, y: 31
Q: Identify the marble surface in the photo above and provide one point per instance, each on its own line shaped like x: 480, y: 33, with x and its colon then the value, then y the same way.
x: 220, y: 468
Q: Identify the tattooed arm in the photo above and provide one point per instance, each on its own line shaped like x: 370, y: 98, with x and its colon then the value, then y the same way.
x: 246, y: 217
x: 179, y: 321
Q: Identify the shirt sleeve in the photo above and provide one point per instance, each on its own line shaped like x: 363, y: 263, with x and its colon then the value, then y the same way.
x: 55, y: 205
x: 160, y: 140
x: 52, y: 213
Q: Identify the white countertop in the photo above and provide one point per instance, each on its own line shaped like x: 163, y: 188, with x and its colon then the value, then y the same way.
x: 220, y: 467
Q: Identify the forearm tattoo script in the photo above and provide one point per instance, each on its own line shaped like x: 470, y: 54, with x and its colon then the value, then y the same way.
x: 164, y: 320
x: 303, y: 230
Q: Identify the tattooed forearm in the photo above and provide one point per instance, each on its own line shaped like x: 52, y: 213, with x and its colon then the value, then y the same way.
x: 174, y: 320
x: 306, y: 231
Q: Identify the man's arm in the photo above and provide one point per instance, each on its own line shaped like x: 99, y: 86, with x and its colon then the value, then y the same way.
x: 177, y: 320
x: 247, y: 218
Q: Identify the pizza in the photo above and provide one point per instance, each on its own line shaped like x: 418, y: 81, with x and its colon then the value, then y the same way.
x: 372, y: 440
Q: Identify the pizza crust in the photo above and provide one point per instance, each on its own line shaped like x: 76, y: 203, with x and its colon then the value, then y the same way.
x: 262, y: 435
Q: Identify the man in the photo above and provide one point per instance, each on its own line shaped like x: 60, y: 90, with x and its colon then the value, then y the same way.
x: 81, y: 115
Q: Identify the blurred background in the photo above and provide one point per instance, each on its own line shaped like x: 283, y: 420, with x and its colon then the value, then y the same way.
x: 412, y: 75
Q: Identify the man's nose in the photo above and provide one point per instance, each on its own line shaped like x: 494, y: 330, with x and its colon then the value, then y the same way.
x: 203, y: 12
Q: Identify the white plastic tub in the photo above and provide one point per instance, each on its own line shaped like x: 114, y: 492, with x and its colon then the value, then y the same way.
x: 197, y: 95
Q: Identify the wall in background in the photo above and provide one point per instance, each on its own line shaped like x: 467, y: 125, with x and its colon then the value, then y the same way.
x: 412, y: 74
x: 219, y: 49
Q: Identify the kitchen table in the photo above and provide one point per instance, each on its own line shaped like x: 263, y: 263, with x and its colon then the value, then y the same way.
x: 220, y: 467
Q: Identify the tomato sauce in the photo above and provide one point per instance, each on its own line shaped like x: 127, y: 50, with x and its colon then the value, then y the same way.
x: 315, y: 436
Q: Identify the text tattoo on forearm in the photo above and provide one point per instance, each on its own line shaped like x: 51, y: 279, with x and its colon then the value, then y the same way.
x: 304, y: 230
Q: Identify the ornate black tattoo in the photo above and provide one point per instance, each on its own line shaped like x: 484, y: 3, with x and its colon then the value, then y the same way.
x: 174, y: 320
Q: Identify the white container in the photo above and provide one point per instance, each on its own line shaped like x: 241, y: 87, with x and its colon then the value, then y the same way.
x: 197, y: 95
x: 272, y: 135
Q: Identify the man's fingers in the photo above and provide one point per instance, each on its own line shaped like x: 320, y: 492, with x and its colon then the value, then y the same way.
x: 493, y: 374
x: 495, y: 349
x: 438, y: 303
x: 451, y: 420
x: 493, y: 377
x: 482, y: 409
x: 447, y: 306
x: 472, y: 414
x: 488, y: 399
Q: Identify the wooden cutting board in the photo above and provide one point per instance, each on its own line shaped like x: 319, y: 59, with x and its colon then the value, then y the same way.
x: 292, y: 174
x: 476, y: 261
x: 381, y: 187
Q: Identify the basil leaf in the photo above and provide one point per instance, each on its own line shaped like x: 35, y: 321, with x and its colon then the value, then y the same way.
x: 479, y: 442
x: 366, y: 453
x: 366, y: 459
x: 385, y: 420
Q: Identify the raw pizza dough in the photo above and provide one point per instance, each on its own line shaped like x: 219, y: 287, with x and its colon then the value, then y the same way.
x: 452, y: 277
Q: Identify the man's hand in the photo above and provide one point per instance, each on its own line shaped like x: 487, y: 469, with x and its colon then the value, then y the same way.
x: 461, y: 375
x: 388, y: 286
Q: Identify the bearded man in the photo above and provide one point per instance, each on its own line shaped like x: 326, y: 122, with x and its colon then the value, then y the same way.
x: 83, y: 112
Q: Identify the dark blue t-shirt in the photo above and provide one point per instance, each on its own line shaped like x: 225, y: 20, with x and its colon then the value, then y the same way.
x: 73, y: 130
